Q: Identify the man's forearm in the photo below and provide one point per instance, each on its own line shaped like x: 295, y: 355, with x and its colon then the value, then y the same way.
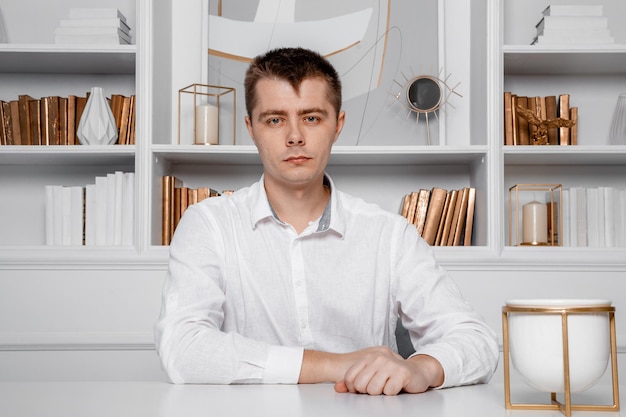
x: 320, y: 367
x: 431, y: 368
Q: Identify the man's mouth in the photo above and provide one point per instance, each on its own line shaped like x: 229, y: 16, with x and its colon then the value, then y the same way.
x: 297, y: 159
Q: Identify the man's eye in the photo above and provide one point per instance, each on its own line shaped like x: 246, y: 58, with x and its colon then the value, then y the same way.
x: 273, y: 121
x: 311, y: 119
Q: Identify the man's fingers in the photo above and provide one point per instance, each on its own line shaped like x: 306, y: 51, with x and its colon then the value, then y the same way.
x: 341, y: 387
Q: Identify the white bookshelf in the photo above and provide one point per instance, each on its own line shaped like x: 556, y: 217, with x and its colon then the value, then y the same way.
x: 106, y: 298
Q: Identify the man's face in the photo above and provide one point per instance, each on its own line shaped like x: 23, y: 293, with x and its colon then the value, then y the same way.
x: 294, y: 132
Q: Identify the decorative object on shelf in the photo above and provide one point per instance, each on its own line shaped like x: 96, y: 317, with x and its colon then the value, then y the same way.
x: 540, y: 126
x: 573, y: 24
x: 424, y: 95
x: 97, y: 124
x: 539, y: 120
x: 535, y: 217
x: 547, y: 342
x: 201, y: 118
x: 618, y: 125
x: 93, y: 26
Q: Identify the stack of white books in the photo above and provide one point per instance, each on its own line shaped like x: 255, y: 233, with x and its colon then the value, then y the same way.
x: 93, y: 26
x: 573, y: 24
x: 99, y: 214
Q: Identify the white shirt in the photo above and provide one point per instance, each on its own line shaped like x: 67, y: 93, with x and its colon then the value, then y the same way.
x: 245, y: 294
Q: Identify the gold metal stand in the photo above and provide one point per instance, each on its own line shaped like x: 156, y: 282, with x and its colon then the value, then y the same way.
x: 217, y: 92
x: 567, y: 407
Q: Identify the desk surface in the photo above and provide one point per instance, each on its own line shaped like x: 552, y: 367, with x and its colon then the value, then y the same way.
x: 154, y: 399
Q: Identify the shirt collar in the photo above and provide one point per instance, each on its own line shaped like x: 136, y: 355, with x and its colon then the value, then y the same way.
x: 331, y: 218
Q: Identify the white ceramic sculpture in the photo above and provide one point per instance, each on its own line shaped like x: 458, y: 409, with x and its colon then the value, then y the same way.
x: 618, y: 124
x: 536, y: 348
x: 97, y: 123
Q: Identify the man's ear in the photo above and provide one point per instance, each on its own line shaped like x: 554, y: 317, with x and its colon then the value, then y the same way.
x: 249, y: 126
x: 341, y: 119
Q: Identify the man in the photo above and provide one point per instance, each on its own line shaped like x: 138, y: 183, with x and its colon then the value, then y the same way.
x: 292, y: 281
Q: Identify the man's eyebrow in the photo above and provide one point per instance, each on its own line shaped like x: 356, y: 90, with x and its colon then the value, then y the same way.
x: 302, y: 112
x: 270, y: 112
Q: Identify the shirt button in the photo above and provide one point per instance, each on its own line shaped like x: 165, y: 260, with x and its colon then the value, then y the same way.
x: 298, y: 283
x: 303, y: 324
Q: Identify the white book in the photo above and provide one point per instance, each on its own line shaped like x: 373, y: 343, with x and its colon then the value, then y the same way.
x: 573, y: 10
x: 95, y: 13
x: 101, y: 211
x: 573, y: 216
x: 90, y: 215
x: 592, y: 218
x: 90, y: 40
x: 118, y: 207
x: 609, y: 216
x: 57, y: 202
x: 565, y: 219
x: 128, y: 209
x: 110, y: 210
x: 49, y: 208
x: 567, y: 36
x: 572, y: 22
x: 79, y: 32
x: 77, y: 215
x: 600, y: 217
x: 66, y: 198
x: 581, y: 215
x: 620, y: 217
x: 90, y: 23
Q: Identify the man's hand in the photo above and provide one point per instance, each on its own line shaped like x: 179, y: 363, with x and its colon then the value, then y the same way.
x: 382, y: 371
x: 379, y: 370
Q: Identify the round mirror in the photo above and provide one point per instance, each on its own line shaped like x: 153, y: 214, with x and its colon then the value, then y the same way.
x: 424, y: 94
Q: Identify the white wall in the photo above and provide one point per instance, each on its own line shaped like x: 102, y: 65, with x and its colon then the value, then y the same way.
x: 80, y: 324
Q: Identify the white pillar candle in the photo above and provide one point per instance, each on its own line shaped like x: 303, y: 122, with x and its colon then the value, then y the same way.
x: 207, y: 117
x: 535, y: 223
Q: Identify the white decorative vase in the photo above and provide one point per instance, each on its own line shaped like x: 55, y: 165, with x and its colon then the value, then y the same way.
x: 97, y: 123
x: 3, y: 32
x: 536, y: 344
x: 618, y: 125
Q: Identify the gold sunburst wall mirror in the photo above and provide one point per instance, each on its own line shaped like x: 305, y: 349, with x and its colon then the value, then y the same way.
x: 424, y: 96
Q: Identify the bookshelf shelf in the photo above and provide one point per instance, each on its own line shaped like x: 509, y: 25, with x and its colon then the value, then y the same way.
x: 341, y: 155
x: 564, y: 155
x: 564, y: 60
x: 64, y: 59
x: 67, y: 155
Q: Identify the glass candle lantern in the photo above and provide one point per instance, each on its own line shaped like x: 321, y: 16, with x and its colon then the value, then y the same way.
x: 535, y: 215
x: 204, y: 115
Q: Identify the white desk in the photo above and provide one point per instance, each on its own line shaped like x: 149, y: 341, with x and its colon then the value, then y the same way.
x: 154, y: 399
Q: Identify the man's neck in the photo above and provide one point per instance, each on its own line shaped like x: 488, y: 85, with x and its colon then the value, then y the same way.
x: 298, y: 206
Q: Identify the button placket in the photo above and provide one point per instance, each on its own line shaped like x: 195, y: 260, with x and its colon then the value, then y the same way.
x: 300, y: 293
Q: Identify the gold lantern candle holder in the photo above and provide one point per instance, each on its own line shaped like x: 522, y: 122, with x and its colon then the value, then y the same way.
x: 202, y: 109
x: 548, y: 344
x: 535, y: 215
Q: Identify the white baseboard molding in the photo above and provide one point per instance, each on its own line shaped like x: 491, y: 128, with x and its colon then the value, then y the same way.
x: 100, y: 341
x: 56, y: 341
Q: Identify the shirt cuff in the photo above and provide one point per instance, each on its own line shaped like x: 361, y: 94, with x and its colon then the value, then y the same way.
x: 283, y: 365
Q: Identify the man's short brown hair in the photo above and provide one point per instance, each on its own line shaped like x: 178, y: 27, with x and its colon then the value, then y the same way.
x: 293, y: 65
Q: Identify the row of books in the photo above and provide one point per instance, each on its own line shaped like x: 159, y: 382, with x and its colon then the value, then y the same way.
x: 594, y: 217
x: 53, y: 120
x: 93, y: 26
x: 539, y: 120
x: 442, y: 217
x: 176, y: 199
x: 99, y: 214
x: 573, y: 24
